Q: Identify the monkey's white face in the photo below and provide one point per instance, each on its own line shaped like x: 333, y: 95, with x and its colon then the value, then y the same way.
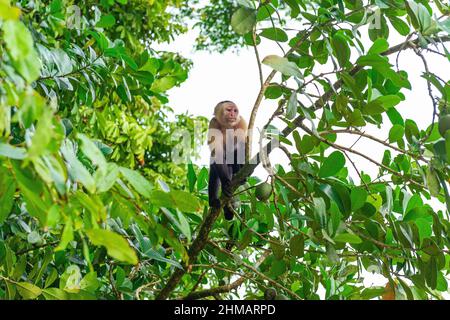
x: 230, y: 114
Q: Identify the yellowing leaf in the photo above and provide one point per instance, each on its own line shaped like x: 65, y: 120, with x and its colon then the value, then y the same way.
x: 28, y: 290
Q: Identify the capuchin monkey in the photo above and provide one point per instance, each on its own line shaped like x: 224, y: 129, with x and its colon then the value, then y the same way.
x: 226, y: 139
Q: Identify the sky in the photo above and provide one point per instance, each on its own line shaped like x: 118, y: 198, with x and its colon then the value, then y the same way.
x: 234, y: 76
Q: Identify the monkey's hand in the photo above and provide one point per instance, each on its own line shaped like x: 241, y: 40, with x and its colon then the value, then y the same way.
x: 228, y: 211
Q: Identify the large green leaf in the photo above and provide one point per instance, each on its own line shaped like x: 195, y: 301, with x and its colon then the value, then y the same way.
x: 91, y: 150
x: 243, y: 20
x: 181, y: 200
x: 19, y: 42
x: 55, y: 294
x: 341, y: 49
x: 358, y: 198
x: 106, y: 21
x: 396, y: 133
x: 291, y: 109
x: 332, y: 164
x: 421, y: 18
x: 347, y: 237
x: 28, y: 290
x: 77, y: 170
x: 8, y: 12
x: 142, y: 185
x: 7, y: 190
x: 116, y: 246
x: 400, y: 25
x: 275, y: 34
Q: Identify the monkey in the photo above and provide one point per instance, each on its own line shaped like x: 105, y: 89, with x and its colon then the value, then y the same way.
x: 227, y: 134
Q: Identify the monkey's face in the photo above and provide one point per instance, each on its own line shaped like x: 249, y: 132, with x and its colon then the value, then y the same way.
x: 230, y: 114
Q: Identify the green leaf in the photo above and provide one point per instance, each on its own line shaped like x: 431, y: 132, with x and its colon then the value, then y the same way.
x: 164, y: 84
x: 424, y: 227
x: 55, y: 294
x: 91, y: 150
x: 278, y: 268
x: 291, y: 109
x: 373, y: 108
x: 104, y: 180
x: 8, y: 188
x: 320, y: 211
x: 295, y: 9
x: 42, y: 136
x: 275, y: 34
x: 90, y: 282
x: 347, y: 237
x: 152, y: 254
x: 421, y: 18
x: 12, y: 152
x: 28, y: 290
x: 180, y: 222
x: 396, y: 133
x: 243, y: 20
x: 282, y: 65
x: 379, y: 46
x: 431, y: 273
x: 358, y: 197
x: 77, y: 171
x: 181, y: 200
x: 332, y: 165
x: 106, y: 21
x: 142, y: 185
x: 66, y: 236
x: 192, y: 177
x: 433, y: 182
x: 297, y: 245
x: 19, y: 42
x: 389, y: 101
x: 341, y: 49
x: 116, y: 246
x: 370, y: 293
x: 399, y: 25
x: 8, y: 12
x: 278, y: 250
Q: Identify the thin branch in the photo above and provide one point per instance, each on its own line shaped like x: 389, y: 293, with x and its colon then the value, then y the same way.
x: 368, y: 136
x: 228, y: 287
x: 258, y: 60
x: 48, y: 244
x: 262, y: 275
x: 430, y: 93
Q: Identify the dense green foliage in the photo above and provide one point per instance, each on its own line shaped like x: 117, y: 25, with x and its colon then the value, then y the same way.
x: 92, y: 206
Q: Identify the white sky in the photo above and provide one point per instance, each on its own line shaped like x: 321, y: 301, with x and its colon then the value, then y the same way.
x: 234, y: 76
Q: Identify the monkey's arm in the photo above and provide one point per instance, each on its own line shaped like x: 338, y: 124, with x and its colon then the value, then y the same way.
x: 215, y: 140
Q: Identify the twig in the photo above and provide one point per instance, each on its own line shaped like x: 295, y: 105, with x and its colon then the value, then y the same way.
x: 226, y: 288
x: 262, y: 275
x: 368, y: 136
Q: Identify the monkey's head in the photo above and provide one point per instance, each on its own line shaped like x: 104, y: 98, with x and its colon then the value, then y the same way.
x: 227, y: 113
